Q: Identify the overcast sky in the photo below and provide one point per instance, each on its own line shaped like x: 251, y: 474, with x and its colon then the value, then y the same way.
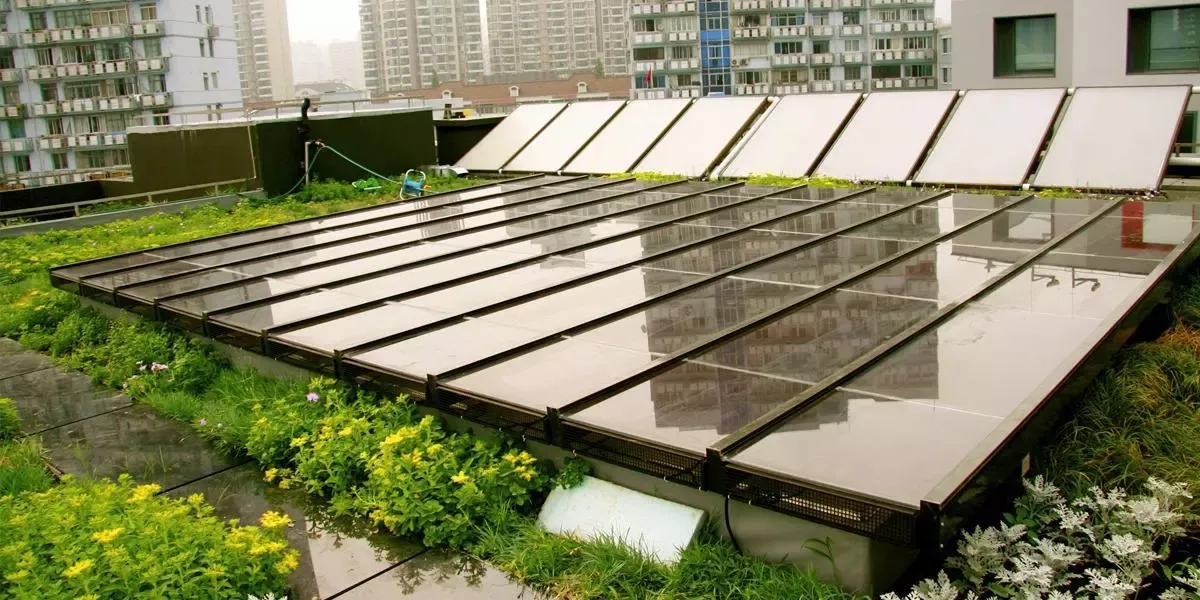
x: 325, y: 21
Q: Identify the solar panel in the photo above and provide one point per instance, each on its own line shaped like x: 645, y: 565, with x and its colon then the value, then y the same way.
x: 886, y: 137
x: 993, y: 138
x: 563, y: 138
x: 627, y: 137
x: 696, y: 142
x: 1114, y: 138
x: 509, y: 136
x: 790, y: 139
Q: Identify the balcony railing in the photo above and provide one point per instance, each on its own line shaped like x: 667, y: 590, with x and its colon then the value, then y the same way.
x: 650, y: 94
x: 915, y: 26
x: 853, y: 85
x: 95, y: 140
x: 12, y: 111
x: 781, y: 60
x: 647, y: 8
x: 749, y: 5
x: 781, y: 89
x: 642, y: 66
x: 159, y: 99
x: 90, y: 105
x: 750, y: 33
x: 148, y: 28
x: 751, y: 89
x: 852, y: 58
x: 681, y: 8
x: 823, y: 86
x: 683, y: 64
x: 823, y: 59
x: 10, y: 75
x: 9, y: 40
x: 853, y: 4
x: 74, y: 70
x: 16, y: 145
x: 894, y: 83
x: 675, y: 37
x: 820, y: 30
x: 151, y: 64
x: 852, y: 30
x: 889, y: 27
x: 648, y: 38
x: 692, y: 91
x: 74, y: 35
x: 787, y: 4
x: 751, y: 62
x: 789, y: 31
x: 890, y: 3
x: 821, y: 4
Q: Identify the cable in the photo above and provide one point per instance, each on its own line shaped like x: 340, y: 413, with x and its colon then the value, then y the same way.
x: 729, y: 527
x: 359, y: 165
x: 311, y: 162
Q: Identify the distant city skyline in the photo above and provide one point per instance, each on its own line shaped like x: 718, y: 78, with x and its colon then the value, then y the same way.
x: 325, y: 21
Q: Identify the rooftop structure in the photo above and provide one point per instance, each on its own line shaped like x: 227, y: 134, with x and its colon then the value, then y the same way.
x: 75, y: 78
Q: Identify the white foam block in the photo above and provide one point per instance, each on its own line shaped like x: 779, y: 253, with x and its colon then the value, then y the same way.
x: 659, y: 528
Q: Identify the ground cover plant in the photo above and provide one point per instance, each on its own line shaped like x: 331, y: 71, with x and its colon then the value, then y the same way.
x: 375, y: 458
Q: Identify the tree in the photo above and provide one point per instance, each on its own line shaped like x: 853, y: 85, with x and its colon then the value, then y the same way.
x: 599, y: 67
x: 433, y: 80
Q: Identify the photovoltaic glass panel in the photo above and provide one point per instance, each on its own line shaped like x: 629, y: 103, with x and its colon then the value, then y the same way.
x: 501, y: 143
x: 696, y: 141
x: 563, y: 138
x: 992, y: 138
x: 886, y: 136
x: 791, y: 138
x: 1114, y: 138
x: 335, y: 220
x: 627, y: 137
x: 966, y: 376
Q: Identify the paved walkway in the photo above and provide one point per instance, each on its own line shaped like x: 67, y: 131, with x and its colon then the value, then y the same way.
x: 92, y: 430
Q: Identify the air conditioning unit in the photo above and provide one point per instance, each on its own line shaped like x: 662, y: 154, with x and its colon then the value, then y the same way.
x: 214, y: 31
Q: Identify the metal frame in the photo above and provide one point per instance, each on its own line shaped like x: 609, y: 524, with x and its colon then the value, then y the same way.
x: 57, y: 276
x: 717, y: 469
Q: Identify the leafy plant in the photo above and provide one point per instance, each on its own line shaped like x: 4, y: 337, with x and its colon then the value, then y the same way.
x: 101, y: 539
x: 21, y: 468
x: 572, y: 473
x: 10, y: 420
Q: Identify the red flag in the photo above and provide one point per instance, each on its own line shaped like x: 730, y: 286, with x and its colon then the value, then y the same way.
x: 649, y: 75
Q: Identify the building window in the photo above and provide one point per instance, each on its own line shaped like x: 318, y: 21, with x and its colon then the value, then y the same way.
x: 789, y: 76
x: 854, y: 72
x: 885, y: 71
x: 210, y: 47
x: 918, y: 70
x: 514, y: 91
x: 201, y: 48
x: 149, y: 12
x: 60, y: 162
x: 158, y: 84
x: 208, y: 14
x: 198, y: 20
x: 852, y: 45
x: 55, y: 126
x: 16, y: 129
x: 37, y: 21
x: 215, y: 83
x: 918, y: 43
x: 852, y: 17
x: 820, y: 47
x: 581, y: 87
x: 72, y: 18
x: 21, y: 164
x: 945, y: 75
x: 1185, y: 142
x: 162, y: 117
x: 945, y: 45
x: 885, y: 44
x: 12, y: 95
x: 789, y: 47
x: 1164, y: 39
x: 787, y: 19
x: 45, y: 56
x: 206, y: 81
x: 152, y: 48
x: 49, y: 92
x: 1025, y: 47
x: 820, y: 74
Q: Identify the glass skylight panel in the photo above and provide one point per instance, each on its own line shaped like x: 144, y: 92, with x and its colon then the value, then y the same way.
x: 509, y: 136
x: 627, y: 137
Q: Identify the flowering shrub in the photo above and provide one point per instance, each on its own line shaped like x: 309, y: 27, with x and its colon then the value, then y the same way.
x: 85, y: 539
x: 1102, y: 546
x: 425, y: 482
x: 282, y: 420
x: 10, y: 421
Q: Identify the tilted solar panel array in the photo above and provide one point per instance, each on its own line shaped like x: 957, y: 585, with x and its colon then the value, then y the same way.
x: 806, y: 349
x: 981, y: 137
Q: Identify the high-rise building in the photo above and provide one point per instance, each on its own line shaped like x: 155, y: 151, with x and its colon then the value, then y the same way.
x: 264, y: 52
x: 557, y: 36
x: 310, y: 62
x: 346, y: 63
x: 74, y: 78
x: 410, y: 44
x: 689, y: 48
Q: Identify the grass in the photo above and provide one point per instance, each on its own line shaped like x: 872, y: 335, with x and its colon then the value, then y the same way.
x: 205, y: 390
x: 21, y: 468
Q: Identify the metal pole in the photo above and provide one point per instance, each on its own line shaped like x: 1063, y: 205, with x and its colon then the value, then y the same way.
x: 306, y: 165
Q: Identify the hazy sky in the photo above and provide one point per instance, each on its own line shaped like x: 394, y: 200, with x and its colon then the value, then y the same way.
x: 328, y: 20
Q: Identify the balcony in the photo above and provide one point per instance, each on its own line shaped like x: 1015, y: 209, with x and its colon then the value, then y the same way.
x: 95, y: 140
x: 782, y: 89
x: 909, y: 83
x: 916, y: 26
x: 12, y: 111
x: 823, y: 59
x: 92, y: 105
x: 156, y: 100
x: 820, y: 30
x: 11, y: 75
x: 853, y: 85
x: 821, y: 4
x: 681, y: 8
x: 853, y: 4
x: 9, y: 40
x: 853, y: 58
x: 889, y: 27
x: 905, y: 3
x: 783, y: 60
x: 652, y: 94
x: 44, y: 109
x: 17, y: 145
x: 749, y: 6
x: 823, y: 86
x: 750, y: 63
x: 52, y: 142
x: 751, y: 89
x: 692, y: 91
x: 682, y: 37
x: 148, y: 29
x: 151, y: 65
x: 887, y: 56
x: 644, y: 9
x: 73, y: 35
x: 852, y: 30
x: 78, y: 70
x: 650, y: 38
x: 642, y: 66
x: 789, y: 31
x: 683, y: 64
x: 750, y: 33
x: 798, y: 4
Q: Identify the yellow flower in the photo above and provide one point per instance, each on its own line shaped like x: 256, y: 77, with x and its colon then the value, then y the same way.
x: 107, y: 535
x: 288, y: 564
x: 461, y: 478
x: 527, y: 458
x: 300, y: 441
x: 78, y: 568
x: 510, y: 457
x: 275, y: 520
x: 346, y: 432
x: 89, y: 597
x: 271, y: 474
x: 142, y: 493
x: 285, y: 484
x: 527, y: 475
x: 258, y: 549
x: 19, y: 575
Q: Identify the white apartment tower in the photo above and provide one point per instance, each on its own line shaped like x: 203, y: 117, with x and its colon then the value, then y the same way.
x: 264, y: 50
x: 410, y: 44
x: 74, y: 77
x: 557, y: 36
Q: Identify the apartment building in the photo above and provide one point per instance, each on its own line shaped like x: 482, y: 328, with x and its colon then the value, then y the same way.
x: 945, y: 62
x: 689, y: 48
x: 263, y: 49
x: 409, y: 44
x: 557, y: 36
x: 346, y: 64
x: 74, y: 77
